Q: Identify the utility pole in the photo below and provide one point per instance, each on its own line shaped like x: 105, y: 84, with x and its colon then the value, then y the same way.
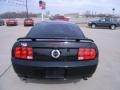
x: 42, y: 6
x: 26, y: 8
x: 42, y: 15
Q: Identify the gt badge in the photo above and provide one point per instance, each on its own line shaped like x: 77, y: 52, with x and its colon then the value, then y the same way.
x: 55, y: 54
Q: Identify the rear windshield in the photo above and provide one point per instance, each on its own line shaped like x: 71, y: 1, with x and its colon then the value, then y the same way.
x: 55, y: 30
x: 28, y: 19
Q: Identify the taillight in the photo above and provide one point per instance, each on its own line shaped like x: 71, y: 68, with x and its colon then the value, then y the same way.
x: 86, y: 54
x: 23, y: 52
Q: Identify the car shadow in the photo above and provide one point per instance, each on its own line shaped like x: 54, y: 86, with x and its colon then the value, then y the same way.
x: 50, y: 81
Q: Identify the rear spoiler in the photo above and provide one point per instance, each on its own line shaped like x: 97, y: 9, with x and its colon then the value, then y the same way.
x: 55, y: 39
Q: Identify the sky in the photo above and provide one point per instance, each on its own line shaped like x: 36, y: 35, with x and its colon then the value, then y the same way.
x: 62, y: 6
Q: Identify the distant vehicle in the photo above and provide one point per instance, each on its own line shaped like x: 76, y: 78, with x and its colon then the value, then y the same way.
x: 28, y: 22
x: 55, y: 50
x: 11, y: 22
x: 2, y: 22
x: 59, y: 18
x: 111, y: 23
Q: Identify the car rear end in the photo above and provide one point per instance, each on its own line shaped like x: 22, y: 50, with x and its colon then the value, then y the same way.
x: 28, y: 22
x: 11, y: 22
x: 54, y: 58
x: 34, y: 58
x: 62, y: 19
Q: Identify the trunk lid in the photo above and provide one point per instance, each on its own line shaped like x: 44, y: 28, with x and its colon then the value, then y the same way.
x: 67, y: 48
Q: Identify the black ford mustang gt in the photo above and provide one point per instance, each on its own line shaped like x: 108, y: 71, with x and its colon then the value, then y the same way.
x: 56, y: 50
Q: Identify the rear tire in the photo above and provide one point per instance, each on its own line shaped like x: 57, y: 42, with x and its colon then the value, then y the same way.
x: 93, y: 26
x: 113, y: 27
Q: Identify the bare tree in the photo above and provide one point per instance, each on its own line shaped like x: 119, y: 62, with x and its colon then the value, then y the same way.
x: 16, y: 15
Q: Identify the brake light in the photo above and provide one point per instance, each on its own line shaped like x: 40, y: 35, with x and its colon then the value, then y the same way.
x: 86, y: 54
x: 28, y: 21
x: 23, y: 52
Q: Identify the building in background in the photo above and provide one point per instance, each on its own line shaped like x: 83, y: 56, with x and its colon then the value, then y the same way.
x: 72, y: 15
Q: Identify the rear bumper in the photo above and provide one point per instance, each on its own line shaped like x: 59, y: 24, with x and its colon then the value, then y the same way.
x: 11, y: 24
x: 28, y: 24
x: 38, y: 69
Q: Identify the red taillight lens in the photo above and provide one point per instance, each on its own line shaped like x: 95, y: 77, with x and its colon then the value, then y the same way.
x: 86, y: 54
x: 24, y: 52
x: 17, y: 52
x: 30, y: 53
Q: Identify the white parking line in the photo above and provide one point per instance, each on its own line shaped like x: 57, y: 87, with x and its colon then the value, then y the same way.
x: 5, y: 71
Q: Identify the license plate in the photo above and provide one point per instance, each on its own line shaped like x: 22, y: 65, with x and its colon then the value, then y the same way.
x: 55, y: 73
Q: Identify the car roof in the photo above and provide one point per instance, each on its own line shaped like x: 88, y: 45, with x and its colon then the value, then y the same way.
x: 28, y: 18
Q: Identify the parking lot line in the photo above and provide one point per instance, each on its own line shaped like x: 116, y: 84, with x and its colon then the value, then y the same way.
x: 5, y: 71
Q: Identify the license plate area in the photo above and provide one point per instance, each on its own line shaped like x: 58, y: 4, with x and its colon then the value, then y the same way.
x: 54, y: 73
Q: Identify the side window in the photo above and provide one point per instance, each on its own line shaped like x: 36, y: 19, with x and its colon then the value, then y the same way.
x: 103, y: 20
x: 107, y: 19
